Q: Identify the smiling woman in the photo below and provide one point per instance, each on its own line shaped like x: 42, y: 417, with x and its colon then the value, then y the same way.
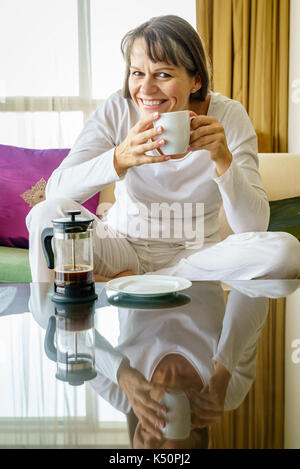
x: 167, y: 71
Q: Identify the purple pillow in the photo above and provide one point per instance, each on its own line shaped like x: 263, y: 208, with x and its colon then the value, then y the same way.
x: 23, y: 176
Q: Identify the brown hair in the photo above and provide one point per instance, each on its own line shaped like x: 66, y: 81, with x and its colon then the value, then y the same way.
x: 170, y: 39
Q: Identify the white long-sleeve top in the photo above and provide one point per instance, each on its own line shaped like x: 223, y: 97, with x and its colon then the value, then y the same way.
x: 200, y: 331
x: 89, y: 167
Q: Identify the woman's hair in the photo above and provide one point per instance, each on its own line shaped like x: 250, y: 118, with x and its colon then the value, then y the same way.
x: 170, y: 39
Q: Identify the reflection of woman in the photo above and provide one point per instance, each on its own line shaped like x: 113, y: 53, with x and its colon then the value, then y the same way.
x: 166, y: 72
x: 196, y: 348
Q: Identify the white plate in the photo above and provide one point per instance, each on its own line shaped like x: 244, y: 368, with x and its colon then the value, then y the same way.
x: 148, y: 285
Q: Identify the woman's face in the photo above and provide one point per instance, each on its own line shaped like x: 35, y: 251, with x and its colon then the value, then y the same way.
x: 160, y: 86
x: 143, y: 440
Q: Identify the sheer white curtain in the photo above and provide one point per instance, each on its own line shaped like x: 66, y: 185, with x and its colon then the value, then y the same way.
x: 45, y: 72
x: 59, y: 59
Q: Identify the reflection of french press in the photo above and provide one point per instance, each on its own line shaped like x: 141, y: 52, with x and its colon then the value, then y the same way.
x: 71, y: 257
x: 74, y: 352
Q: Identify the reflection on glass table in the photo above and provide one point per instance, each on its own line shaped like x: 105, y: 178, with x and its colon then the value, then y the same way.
x: 200, y: 341
x: 205, y: 348
x: 36, y: 409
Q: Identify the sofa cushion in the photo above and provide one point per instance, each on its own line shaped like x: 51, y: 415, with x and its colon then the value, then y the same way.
x: 280, y: 175
x: 14, y: 265
x: 24, y: 173
x: 285, y: 216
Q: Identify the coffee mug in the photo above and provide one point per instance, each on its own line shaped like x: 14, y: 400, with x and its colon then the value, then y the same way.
x: 176, y: 131
x: 178, y: 418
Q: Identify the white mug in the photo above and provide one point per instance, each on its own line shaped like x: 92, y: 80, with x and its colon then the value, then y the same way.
x: 176, y: 131
x: 178, y: 418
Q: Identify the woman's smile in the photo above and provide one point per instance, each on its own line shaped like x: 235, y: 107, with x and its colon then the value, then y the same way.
x: 151, y: 103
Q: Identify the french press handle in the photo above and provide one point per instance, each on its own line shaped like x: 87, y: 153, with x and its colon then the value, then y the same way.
x: 47, y: 235
x: 49, y: 347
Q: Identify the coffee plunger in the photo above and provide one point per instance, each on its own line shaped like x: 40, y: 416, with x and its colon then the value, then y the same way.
x: 74, y: 352
x: 71, y: 257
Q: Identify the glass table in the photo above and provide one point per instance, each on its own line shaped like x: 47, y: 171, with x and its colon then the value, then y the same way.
x: 59, y: 364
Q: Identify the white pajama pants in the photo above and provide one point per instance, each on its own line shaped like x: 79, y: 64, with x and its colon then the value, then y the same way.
x: 242, y: 256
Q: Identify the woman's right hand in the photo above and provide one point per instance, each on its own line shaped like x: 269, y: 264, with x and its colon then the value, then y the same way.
x: 142, y: 396
x: 131, y: 152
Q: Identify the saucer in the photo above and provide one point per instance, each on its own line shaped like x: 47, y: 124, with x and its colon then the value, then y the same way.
x: 148, y: 285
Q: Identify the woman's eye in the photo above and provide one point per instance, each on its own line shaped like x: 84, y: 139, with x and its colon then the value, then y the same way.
x: 137, y: 73
x: 164, y: 75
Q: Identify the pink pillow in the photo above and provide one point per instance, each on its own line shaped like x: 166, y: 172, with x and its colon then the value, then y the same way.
x: 23, y: 176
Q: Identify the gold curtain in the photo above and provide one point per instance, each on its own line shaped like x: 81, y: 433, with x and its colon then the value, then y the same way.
x: 248, y: 45
x: 259, y: 422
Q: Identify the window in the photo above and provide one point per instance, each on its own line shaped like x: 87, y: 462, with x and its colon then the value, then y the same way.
x: 60, y: 59
x: 110, y: 21
x: 39, y: 47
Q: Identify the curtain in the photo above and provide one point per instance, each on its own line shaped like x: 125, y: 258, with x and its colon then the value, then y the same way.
x: 248, y: 45
x: 43, y: 122
x: 259, y: 422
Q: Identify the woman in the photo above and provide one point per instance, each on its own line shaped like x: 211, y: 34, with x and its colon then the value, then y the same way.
x: 167, y: 71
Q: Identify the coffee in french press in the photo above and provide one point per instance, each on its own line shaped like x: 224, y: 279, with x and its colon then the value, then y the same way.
x: 71, y: 257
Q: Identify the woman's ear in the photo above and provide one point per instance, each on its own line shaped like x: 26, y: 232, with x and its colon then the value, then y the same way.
x: 197, y: 83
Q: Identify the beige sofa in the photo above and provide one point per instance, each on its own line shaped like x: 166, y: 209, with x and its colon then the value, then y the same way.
x: 280, y: 174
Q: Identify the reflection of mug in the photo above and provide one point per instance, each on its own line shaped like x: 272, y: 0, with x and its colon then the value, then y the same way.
x: 178, y: 420
x: 177, y: 131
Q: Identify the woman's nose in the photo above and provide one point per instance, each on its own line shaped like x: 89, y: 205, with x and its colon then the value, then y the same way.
x: 148, y: 86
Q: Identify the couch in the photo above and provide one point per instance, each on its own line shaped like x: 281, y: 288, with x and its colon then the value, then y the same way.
x: 280, y: 178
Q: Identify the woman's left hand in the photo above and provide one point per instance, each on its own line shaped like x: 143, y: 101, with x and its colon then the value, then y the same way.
x: 208, y: 134
x: 208, y: 404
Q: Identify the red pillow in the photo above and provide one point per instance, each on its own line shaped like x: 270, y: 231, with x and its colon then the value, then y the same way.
x: 23, y: 176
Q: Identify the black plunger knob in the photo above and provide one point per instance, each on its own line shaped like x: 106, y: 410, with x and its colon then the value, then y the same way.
x: 72, y: 213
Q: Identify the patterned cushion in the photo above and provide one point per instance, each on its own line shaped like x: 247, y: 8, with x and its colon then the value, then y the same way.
x: 23, y: 176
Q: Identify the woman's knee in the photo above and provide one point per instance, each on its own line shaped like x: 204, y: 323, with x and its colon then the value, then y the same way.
x: 286, y: 257
x: 45, y: 211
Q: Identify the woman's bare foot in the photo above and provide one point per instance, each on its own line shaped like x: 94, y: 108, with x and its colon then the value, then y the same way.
x: 100, y: 278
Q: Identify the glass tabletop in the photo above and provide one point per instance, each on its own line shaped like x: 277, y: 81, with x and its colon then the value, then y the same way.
x: 230, y: 346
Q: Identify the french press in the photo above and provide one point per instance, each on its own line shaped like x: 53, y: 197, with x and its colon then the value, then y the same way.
x: 71, y: 257
x: 74, y: 354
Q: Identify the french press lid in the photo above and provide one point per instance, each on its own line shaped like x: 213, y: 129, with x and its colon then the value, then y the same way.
x: 76, y: 312
x: 72, y: 224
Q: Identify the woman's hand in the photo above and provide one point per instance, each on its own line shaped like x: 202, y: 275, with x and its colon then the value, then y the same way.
x: 208, y: 134
x: 132, y: 151
x: 140, y: 395
x: 208, y: 404
x: 147, y: 440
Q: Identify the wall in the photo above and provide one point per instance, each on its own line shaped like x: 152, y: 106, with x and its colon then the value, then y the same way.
x: 294, y: 101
